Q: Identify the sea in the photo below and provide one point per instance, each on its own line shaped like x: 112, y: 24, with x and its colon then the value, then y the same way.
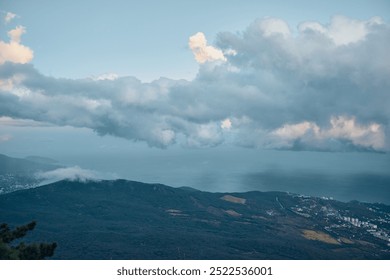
x: 344, y: 176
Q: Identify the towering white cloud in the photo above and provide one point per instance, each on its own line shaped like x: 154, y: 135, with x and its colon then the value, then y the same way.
x: 14, y: 51
x: 310, y: 89
x: 16, y: 34
x: 202, y: 51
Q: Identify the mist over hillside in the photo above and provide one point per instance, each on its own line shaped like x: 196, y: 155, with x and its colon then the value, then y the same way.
x: 345, y: 177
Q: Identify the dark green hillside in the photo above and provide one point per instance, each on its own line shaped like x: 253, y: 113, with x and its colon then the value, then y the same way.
x: 131, y: 220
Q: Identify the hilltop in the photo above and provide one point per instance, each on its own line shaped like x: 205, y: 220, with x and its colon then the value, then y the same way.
x: 131, y: 220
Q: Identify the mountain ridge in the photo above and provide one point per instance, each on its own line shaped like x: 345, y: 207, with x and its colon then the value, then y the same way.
x: 123, y: 219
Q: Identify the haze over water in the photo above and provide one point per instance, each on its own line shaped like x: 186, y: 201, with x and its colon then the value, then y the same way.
x: 343, y: 176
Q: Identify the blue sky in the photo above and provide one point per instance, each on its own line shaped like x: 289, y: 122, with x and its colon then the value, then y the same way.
x: 148, y: 39
x: 161, y: 76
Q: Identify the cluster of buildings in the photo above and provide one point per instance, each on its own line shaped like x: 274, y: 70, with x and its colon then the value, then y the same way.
x: 11, y: 182
x: 312, y: 207
x: 370, y: 227
x: 357, y: 223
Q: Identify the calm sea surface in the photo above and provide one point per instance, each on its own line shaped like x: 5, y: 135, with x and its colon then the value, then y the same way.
x: 343, y: 176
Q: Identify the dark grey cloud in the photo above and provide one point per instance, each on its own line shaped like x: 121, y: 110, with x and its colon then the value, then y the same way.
x: 321, y: 87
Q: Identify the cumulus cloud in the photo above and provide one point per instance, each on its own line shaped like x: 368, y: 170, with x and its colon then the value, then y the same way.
x: 281, y: 89
x: 16, y: 34
x: 7, y: 121
x: 106, y: 76
x: 342, y: 30
x: 341, y: 129
x: 74, y: 173
x: 274, y: 26
x: 14, y: 51
x: 202, y: 51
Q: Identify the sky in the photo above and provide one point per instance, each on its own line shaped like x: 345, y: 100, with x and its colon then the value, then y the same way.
x: 149, y: 39
x: 117, y: 77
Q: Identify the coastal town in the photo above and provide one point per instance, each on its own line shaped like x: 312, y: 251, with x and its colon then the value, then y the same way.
x: 10, y: 182
x: 365, y: 222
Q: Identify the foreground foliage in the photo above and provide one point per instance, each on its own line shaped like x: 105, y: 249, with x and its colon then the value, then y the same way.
x: 22, y: 251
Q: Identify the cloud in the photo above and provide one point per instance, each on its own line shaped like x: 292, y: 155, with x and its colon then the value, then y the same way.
x: 7, y: 121
x: 279, y: 88
x: 74, y: 173
x: 342, y: 30
x: 226, y: 124
x: 202, y: 51
x: 204, y: 135
x: 273, y: 26
x: 14, y: 51
x: 106, y: 76
x: 342, y: 130
x: 9, y: 17
x: 16, y: 34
